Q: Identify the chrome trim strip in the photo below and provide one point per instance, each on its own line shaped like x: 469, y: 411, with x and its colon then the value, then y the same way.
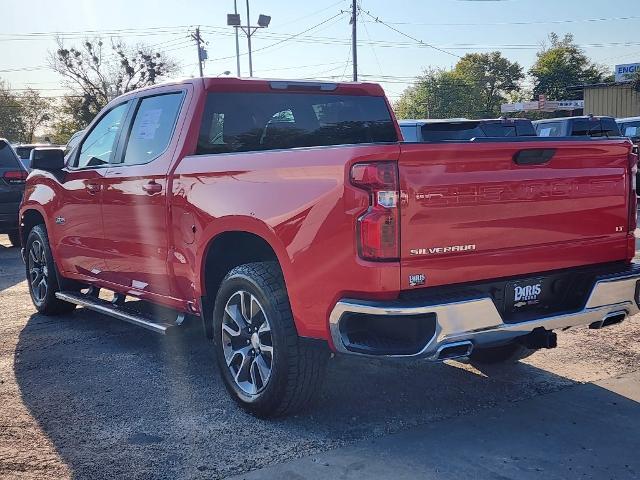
x: 115, y: 312
x: 479, y: 322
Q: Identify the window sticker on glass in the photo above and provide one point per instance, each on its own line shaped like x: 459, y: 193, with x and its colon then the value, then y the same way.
x: 149, y: 123
x: 545, y: 132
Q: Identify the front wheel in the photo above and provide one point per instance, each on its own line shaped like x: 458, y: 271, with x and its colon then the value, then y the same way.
x: 41, y: 274
x: 266, y: 367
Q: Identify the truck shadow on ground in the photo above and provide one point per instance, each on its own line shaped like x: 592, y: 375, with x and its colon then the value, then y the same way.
x: 11, y: 266
x: 118, y: 401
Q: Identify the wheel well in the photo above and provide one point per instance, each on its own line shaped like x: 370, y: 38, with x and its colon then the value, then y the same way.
x: 30, y: 219
x: 229, y: 250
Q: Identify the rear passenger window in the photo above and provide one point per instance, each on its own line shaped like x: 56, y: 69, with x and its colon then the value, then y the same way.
x: 152, y: 128
x: 243, y: 122
x: 553, y: 129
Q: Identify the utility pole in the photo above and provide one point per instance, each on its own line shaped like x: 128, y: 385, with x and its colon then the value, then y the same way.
x: 202, y: 53
x: 235, y: 9
x: 354, y: 38
x: 249, y: 40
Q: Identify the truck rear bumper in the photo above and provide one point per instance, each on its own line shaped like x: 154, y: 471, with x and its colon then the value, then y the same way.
x: 458, y: 327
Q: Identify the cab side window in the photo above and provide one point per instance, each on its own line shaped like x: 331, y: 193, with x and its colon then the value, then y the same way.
x: 152, y: 128
x: 98, y: 147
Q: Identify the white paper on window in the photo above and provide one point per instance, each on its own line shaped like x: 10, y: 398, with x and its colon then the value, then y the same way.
x: 147, y: 124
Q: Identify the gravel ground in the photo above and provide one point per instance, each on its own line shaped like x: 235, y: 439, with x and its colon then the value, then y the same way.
x: 90, y: 397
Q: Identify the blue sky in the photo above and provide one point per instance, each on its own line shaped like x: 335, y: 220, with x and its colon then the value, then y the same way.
x: 515, y: 27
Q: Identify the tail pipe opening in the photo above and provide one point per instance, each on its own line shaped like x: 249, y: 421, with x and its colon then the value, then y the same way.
x: 455, y: 350
x: 612, y: 318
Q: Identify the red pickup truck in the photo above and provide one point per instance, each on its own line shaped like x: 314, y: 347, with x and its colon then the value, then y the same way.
x: 292, y: 219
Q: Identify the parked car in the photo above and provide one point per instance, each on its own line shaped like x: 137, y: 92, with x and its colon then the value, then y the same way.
x: 630, y: 128
x: 24, y: 151
x: 289, y: 217
x: 463, y: 129
x: 12, y: 181
x: 584, y: 126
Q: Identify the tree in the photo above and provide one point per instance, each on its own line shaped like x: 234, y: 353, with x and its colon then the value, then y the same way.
x: 493, y: 78
x: 475, y: 88
x: 97, y: 74
x: 562, y: 65
x: 35, y: 112
x: 10, y: 111
x: 436, y: 94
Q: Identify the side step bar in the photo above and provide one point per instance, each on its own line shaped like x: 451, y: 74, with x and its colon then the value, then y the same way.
x: 119, y: 312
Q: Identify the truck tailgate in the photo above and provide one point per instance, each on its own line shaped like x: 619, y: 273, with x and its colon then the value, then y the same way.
x: 471, y: 211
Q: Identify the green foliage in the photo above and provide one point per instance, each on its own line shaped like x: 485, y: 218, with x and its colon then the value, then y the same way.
x: 35, y: 112
x: 493, y: 78
x: 10, y: 109
x: 563, y: 65
x: 22, y: 114
x: 475, y: 88
x: 436, y: 94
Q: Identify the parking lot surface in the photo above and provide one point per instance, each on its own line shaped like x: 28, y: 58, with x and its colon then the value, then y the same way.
x: 86, y: 396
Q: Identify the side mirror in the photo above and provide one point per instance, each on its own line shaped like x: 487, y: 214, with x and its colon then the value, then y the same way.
x: 49, y: 159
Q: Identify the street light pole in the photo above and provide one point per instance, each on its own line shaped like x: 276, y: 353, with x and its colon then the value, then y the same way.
x: 249, y: 40
x: 235, y: 9
x: 354, y: 38
x: 234, y: 20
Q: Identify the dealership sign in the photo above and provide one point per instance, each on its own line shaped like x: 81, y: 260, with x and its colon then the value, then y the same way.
x: 624, y: 73
x: 543, y: 105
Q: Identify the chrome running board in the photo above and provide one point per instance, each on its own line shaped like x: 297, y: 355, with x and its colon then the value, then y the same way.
x: 120, y: 312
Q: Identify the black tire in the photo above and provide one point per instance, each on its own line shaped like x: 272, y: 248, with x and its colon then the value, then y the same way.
x: 509, y: 353
x: 43, y: 287
x: 297, y: 366
x: 14, y: 238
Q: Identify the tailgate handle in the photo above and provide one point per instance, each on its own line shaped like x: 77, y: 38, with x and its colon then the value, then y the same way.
x: 534, y: 156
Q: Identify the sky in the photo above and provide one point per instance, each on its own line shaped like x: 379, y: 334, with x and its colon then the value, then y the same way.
x: 312, y: 39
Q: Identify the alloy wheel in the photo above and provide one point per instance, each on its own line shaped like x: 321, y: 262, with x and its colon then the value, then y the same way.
x: 38, y: 271
x: 247, y: 342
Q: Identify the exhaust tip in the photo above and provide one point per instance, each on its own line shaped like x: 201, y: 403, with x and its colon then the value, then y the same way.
x: 455, y: 350
x: 610, y: 319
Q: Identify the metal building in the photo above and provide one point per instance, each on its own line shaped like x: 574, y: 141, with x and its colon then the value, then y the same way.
x: 613, y: 99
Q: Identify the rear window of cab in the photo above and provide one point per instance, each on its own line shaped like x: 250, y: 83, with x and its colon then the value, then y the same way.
x: 244, y: 122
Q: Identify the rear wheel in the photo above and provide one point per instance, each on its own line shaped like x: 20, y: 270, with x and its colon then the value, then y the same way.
x: 266, y: 367
x: 509, y: 353
x: 41, y: 274
x: 14, y: 238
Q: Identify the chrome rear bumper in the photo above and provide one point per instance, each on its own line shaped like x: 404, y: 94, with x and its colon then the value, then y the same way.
x: 477, y: 322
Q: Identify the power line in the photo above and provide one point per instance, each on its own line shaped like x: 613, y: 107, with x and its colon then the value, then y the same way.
x: 409, y: 36
x: 287, y: 39
x: 533, y: 22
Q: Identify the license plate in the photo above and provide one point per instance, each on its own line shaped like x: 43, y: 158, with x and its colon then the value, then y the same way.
x: 526, y: 294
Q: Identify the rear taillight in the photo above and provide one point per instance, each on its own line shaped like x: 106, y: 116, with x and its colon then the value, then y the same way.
x: 14, y: 177
x: 633, y: 198
x: 378, y: 227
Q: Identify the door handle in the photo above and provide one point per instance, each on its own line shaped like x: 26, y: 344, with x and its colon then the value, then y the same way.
x: 152, y: 187
x: 93, y: 188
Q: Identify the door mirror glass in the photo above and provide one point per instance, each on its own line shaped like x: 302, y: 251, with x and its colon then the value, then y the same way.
x: 49, y: 159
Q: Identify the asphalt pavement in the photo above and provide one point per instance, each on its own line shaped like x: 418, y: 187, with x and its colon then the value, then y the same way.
x: 86, y: 396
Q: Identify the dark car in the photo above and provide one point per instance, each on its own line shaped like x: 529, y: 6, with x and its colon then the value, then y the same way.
x: 630, y: 127
x: 463, y: 129
x: 585, y: 126
x: 12, y: 178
